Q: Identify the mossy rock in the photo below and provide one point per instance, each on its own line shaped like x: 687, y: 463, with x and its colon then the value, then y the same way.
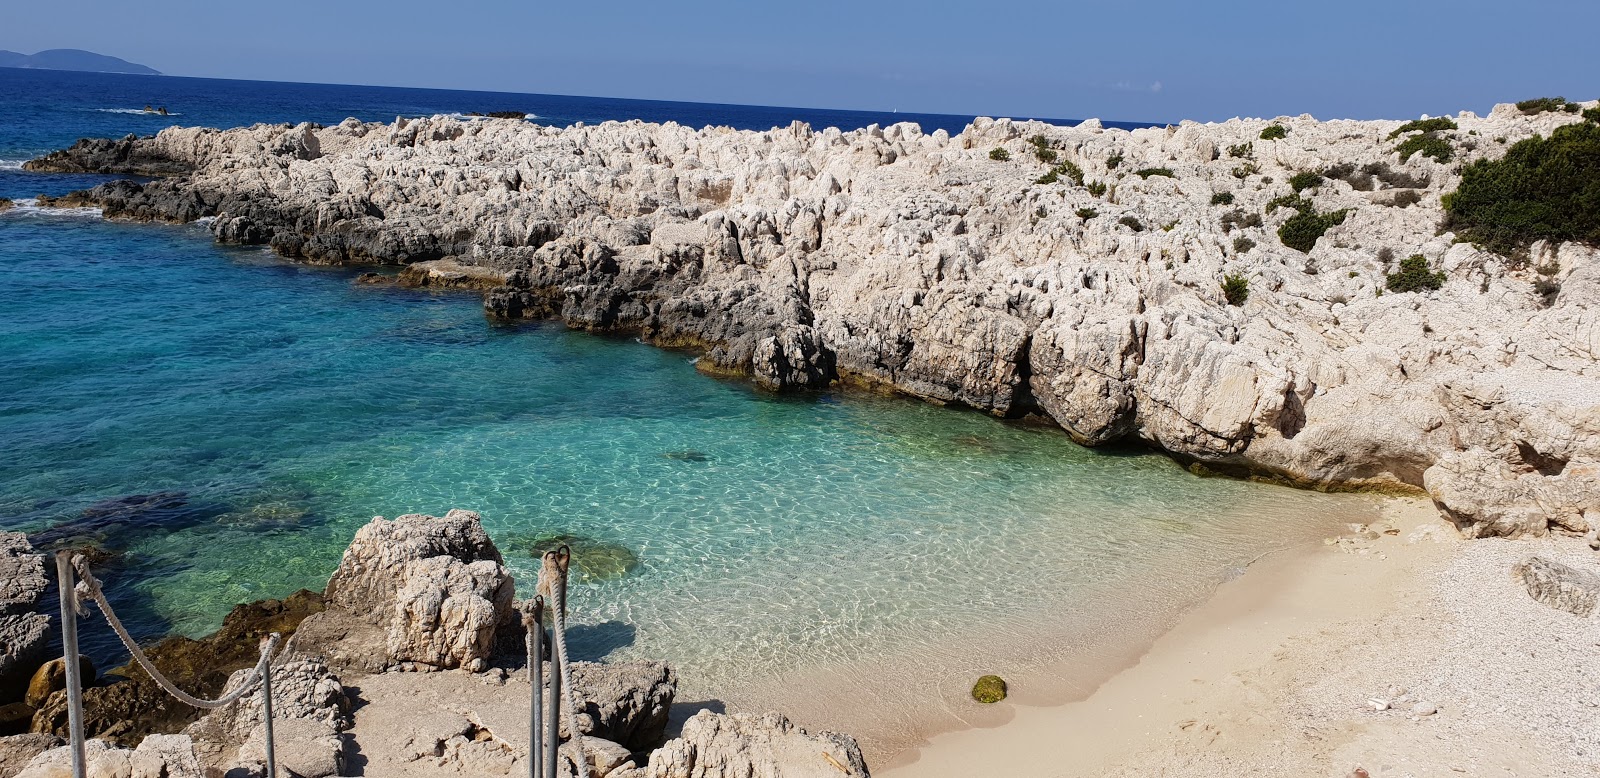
x: 988, y: 689
x: 592, y: 560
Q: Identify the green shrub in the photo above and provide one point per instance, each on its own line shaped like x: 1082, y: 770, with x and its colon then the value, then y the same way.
x: 1097, y: 188
x: 1222, y: 198
x: 1542, y: 104
x: 1236, y: 289
x: 1592, y: 114
x: 1000, y: 155
x: 1428, y: 145
x: 1153, y: 171
x: 1304, y: 180
x: 1131, y: 223
x: 1113, y: 161
x: 1047, y: 156
x: 1414, y: 276
x: 1405, y: 198
x: 1246, y: 170
x: 1242, y: 244
x: 1049, y: 177
x: 1274, y: 132
x: 1086, y: 213
x: 1547, y: 289
x: 1246, y: 150
x: 1435, y: 124
x: 1303, y: 229
x: 1542, y: 189
x: 1294, y: 201
x: 1071, y: 171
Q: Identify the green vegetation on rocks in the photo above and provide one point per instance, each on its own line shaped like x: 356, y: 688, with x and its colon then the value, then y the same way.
x: 1414, y: 276
x: 1154, y: 171
x: 999, y: 154
x: 1222, y: 198
x: 989, y: 689
x: 1428, y: 145
x: 1436, y: 124
x: 1543, y: 104
x: 1542, y: 189
x: 1236, y: 289
x: 1304, y: 180
x: 1274, y: 132
x: 1131, y: 223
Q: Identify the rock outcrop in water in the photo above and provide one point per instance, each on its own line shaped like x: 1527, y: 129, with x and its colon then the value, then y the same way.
x: 418, y: 593
x: 1087, y: 288
x: 24, y: 633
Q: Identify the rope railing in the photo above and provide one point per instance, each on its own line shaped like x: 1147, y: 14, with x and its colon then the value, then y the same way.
x: 553, y: 584
x: 74, y: 600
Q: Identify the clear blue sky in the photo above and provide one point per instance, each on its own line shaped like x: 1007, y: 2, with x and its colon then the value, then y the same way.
x: 1156, y: 60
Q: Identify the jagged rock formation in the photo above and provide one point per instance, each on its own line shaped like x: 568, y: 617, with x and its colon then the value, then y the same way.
x: 159, y: 756
x: 23, y: 632
x: 890, y: 258
x: 416, y: 592
x: 717, y: 745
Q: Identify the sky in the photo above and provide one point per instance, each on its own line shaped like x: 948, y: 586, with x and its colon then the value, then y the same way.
x: 1139, y: 60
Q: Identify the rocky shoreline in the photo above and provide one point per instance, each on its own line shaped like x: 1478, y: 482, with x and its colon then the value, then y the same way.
x: 412, y: 598
x: 1074, y: 274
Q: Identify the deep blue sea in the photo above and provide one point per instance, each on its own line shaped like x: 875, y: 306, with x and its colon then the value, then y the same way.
x: 274, y: 408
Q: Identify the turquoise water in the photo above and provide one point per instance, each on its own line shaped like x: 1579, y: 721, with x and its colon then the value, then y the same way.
x: 289, y: 405
x: 790, y: 551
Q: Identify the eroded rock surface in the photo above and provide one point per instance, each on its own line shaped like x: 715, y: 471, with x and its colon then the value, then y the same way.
x: 418, y: 590
x: 893, y: 258
x: 24, y: 633
x: 716, y: 745
x: 1560, y: 586
x: 159, y: 756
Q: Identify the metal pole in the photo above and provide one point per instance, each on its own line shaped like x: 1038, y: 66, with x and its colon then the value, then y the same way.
x: 69, y: 640
x: 553, y: 719
x: 535, y: 632
x: 266, y: 718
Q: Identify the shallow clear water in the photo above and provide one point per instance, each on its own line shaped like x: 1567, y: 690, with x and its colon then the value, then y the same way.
x: 876, y: 548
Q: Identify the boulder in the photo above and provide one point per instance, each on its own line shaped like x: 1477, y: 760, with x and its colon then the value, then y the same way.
x: 51, y: 677
x: 17, y: 751
x: 626, y: 702
x: 424, y: 590
x: 159, y: 756
x: 310, y: 711
x: 1558, y: 585
x: 24, y: 634
x: 721, y: 745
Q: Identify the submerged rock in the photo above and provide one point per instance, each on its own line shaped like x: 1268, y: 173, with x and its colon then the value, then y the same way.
x: 989, y: 688
x: 592, y: 560
x: 687, y: 455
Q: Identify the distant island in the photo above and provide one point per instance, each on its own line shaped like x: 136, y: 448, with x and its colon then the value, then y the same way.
x: 73, y: 59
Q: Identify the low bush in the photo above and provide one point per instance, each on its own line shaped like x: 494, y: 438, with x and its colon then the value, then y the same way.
x: 1294, y: 201
x: 1303, y: 229
x: 1113, y: 161
x: 1436, y: 124
x: 1086, y: 213
x: 1000, y: 155
x: 1428, y: 145
x: 1405, y: 198
x: 1304, y: 180
x: 1414, y: 276
x: 1222, y: 198
x: 1548, y: 290
x: 1097, y: 188
x: 1395, y: 179
x: 1242, y: 244
x: 1246, y: 170
x: 1592, y: 114
x: 1049, y: 177
x: 1047, y: 156
x: 1153, y: 171
x: 1541, y: 105
x: 1542, y: 189
x: 1131, y: 223
x: 1275, y: 132
x: 1236, y: 289
x: 1246, y: 150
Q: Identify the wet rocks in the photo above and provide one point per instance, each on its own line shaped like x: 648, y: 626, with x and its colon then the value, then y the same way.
x: 989, y: 688
x: 128, y: 155
x: 51, y: 677
x: 594, y: 559
x: 450, y: 274
x: 1559, y: 586
x: 24, y: 633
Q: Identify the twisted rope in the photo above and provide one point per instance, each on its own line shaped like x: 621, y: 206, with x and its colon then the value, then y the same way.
x: 556, y: 563
x: 89, y: 587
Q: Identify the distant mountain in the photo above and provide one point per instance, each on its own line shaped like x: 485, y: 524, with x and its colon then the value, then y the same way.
x: 72, y: 59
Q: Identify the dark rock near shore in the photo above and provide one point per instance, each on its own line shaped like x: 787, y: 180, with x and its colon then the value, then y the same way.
x: 51, y: 677
x: 124, y: 156
x: 125, y: 712
x: 24, y: 633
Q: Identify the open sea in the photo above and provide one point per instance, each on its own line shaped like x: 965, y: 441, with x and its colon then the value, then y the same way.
x: 222, y: 421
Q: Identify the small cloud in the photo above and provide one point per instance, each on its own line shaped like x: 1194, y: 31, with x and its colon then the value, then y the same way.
x: 1156, y: 87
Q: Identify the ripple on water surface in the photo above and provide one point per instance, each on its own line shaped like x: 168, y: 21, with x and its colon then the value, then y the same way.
x: 886, y: 547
